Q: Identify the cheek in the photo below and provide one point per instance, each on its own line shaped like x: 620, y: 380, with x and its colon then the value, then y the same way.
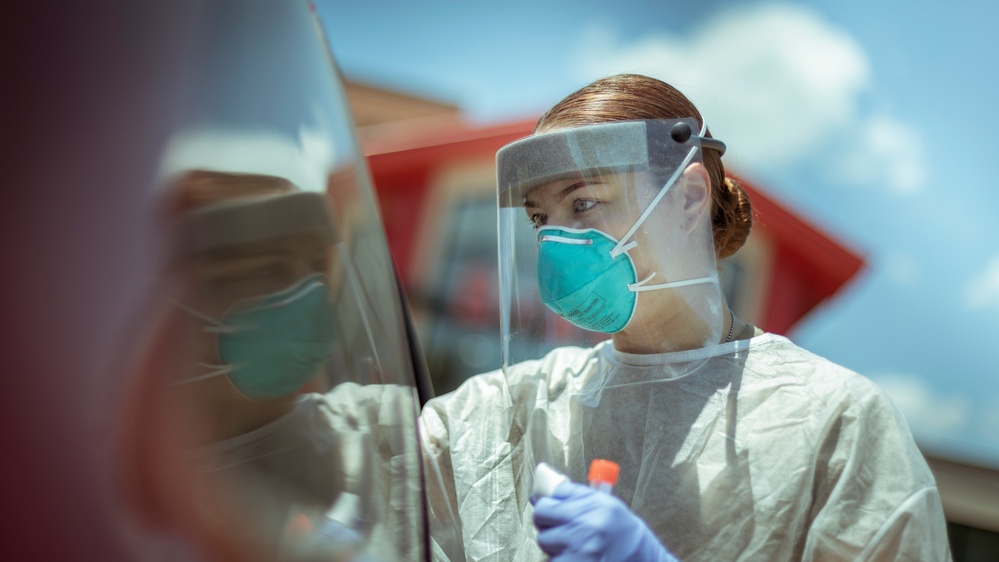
x: 205, y: 344
x: 563, y: 216
x: 208, y: 347
x: 660, y: 244
x: 616, y: 219
x: 213, y: 305
x: 645, y: 267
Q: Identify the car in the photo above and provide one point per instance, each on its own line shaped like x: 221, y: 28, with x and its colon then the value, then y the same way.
x: 208, y: 350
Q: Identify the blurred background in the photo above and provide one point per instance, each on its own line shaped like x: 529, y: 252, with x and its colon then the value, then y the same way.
x: 863, y: 131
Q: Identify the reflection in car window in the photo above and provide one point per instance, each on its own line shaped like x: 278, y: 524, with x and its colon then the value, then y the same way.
x: 297, y: 412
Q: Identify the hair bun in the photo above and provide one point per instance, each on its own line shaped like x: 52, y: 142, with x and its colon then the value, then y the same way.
x: 733, y: 218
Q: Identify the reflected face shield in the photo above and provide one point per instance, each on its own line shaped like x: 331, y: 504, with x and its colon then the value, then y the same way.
x: 615, y: 214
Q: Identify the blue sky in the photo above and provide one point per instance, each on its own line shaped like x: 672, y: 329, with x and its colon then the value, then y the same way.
x: 875, y: 120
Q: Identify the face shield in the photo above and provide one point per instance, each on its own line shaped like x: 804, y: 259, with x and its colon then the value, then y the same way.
x: 605, y: 231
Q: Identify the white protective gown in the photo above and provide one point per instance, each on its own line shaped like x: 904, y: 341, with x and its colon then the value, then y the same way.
x: 762, y: 451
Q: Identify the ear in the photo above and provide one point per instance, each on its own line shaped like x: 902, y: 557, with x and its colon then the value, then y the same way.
x: 696, y: 194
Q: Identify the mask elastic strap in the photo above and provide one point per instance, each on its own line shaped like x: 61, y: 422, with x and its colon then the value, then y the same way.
x: 215, y: 327
x: 219, y: 371
x: 641, y: 285
x: 299, y: 290
x: 622, y: 245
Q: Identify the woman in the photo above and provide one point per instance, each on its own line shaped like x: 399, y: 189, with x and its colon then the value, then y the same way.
x: 733, y: 443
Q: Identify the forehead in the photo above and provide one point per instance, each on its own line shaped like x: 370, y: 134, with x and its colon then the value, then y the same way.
x: 256, y: 223
x: 597, y: 184
x: 287, y: 246
x: 292, y: 248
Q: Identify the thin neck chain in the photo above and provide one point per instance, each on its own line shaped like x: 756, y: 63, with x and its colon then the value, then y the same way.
x: 731, y: 330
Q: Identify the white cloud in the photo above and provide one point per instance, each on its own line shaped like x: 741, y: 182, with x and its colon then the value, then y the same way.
x: 928, y: 413
x: 982, y: 291
x: 777, y: 83
x: 882, y: 151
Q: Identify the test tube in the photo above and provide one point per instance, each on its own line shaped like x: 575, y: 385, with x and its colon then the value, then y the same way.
x: 546, y: 479
x: 603, y: 474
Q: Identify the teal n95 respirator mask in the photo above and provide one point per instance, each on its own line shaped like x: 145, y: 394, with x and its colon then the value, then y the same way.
x: 271, y: 345
x: 583, y: 273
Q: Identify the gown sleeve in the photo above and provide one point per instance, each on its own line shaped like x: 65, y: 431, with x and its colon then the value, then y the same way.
x: 875, y: 497
x: 442, y: 502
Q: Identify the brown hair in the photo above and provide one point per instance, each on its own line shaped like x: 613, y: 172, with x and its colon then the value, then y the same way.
x: 633, y: 96
x: 200, y: 188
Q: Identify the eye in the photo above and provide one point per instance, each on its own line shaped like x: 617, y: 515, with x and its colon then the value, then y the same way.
x: 319, y: 261
x: 538, y: 220
x: 250, y: 274
x: 583, y: 205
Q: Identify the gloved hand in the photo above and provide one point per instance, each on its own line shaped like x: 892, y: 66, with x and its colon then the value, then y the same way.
x: 579, y: 523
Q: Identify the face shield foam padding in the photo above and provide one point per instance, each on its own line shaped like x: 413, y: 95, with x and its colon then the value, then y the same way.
x: 252, y: 220
x: 624, y: 146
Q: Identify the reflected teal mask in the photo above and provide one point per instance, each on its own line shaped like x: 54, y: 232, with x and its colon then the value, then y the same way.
x: 272, y: 345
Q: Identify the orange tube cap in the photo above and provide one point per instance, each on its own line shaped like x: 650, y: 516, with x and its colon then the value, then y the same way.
x: 602, y: 470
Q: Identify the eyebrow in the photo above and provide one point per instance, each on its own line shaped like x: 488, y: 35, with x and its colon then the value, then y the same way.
x: 564, y: 192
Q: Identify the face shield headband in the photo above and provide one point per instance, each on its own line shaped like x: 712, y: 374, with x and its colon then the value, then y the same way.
x: 255, y: 220
x: 586, y: 275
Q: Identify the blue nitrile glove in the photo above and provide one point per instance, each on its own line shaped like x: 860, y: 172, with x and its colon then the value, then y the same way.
x: 580, y: 523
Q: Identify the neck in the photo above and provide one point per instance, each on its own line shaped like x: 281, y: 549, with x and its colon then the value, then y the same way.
x: 684, y: 330
x: 223, y: 413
